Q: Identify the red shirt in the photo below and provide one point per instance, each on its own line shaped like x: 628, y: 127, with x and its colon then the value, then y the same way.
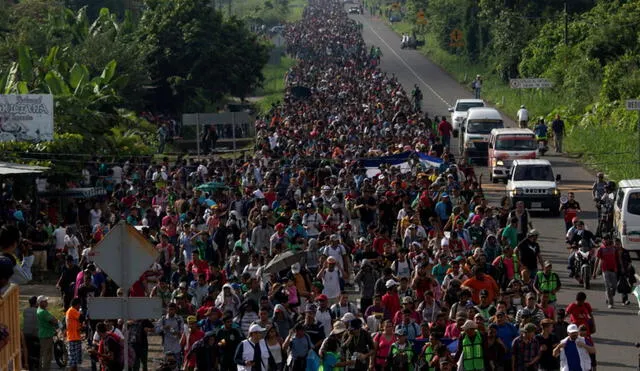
x: 170, y: 223
x: 187, y: 341
x: 391, y: 302
x: 378, y: 244
x: 444, y: 128
x: 609, y: 258
x: 197, y: 267
x: 579, y: 314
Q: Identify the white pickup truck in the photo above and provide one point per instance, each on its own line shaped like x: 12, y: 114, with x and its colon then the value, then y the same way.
x: 459, y: 112
x: 532, y: 182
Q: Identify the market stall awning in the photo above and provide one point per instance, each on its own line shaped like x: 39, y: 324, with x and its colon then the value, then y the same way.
x: 9, y: 168
x: 88, y: 192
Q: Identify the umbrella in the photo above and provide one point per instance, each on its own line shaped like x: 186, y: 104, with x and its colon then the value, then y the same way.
x: 300, y: 92
x: 212, y: 186
x: 283, y: 261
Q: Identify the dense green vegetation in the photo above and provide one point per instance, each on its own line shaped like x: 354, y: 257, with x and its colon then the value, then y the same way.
x: 594, y: 69
x: 105, y: 65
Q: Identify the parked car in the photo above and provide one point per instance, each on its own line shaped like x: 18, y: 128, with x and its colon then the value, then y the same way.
x: 354, y: 10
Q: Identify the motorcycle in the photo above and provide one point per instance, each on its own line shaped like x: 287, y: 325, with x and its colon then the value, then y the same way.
x: 584, y: 263
x: 60, y: 353
x: 605, y: 220
x: 542, y: 145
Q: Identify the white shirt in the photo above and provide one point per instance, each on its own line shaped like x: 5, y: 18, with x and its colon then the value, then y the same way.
x: 247, y: 354
x: 60, y: 233
x: 96, y: 214
x: 331, y: 283
x: 585, y: 360
x: 72, y: 244
x: 523, y: 114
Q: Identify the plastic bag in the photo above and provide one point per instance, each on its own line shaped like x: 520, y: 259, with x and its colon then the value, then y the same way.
x: 313, y: 361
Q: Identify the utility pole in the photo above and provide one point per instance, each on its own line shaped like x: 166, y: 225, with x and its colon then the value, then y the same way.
x: 566, y: 24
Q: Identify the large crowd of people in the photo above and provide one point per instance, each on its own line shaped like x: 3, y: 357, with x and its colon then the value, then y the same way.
x: 393, y: 268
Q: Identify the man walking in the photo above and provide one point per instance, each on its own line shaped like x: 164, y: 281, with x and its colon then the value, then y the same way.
x: 607, y: 257
x: 74, y: 324
x: 30, y: 332
x: 523, y: 117
x: 444, y: 130
x: 557, y: 126
x: 46, y: 331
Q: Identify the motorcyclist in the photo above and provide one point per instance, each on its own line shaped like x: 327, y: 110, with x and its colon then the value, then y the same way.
x: 541, y: 132
x: 582, y: 238
x: 570, y: 209
x: 597, y: 191
x: 605, y: 212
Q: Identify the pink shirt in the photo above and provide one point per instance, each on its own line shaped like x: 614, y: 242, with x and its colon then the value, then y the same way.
x: 384, y: 346
x: 452, y: 331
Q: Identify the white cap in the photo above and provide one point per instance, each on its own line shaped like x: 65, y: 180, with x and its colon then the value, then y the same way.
x: 41, y: 299
x: 391, y: 283
x: 256, y: 328
x: 264, y: 208
x: 258, y: 194
x: 572, y: 328
x: 295, y: 268
x: 348, y: 317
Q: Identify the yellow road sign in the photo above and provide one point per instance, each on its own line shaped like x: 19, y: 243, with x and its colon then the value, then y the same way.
x: 420, y: 19
x: 456, y: 35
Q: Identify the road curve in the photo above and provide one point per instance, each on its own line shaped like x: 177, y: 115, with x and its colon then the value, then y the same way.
x: 618, y: 328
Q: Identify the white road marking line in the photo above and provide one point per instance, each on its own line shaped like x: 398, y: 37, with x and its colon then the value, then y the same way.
x: 406, y: 64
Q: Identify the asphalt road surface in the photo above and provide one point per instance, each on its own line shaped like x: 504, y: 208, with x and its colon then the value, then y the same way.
x: 617, y: 328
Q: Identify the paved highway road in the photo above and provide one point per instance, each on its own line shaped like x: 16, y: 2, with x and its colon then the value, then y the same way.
x: 618, y: 328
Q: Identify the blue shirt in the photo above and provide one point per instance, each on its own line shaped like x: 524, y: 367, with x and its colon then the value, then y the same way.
x: 98, y: 279
x: 507, y: 333
x: 573, y: 357
x: 441, y: 211
x: 541, y: 130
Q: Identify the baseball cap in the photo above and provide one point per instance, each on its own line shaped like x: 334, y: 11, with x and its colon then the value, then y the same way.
x: 191, y: 320
x: 407, y: 300
x: 530, y: 327
x: 256, y: 328
x: 355, y: 324
x: 322, y: 297
x: 469, y: 325
x: 400, y: 331
x: 348, y: 317
x: 41, y: 299
x: 391, y: 283
x: 572, y: 328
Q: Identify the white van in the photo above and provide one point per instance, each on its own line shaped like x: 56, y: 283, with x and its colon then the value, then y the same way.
x: 476, y: 130
x: 459, y: 112
x: 626, y: 214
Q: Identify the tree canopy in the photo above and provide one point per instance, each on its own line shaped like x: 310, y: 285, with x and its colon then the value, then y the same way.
x: 194, y: 55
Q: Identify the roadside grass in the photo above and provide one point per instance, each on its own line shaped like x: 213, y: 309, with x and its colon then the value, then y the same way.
x: 612, y: 150
x: 296, y: 8
x: 608, y: 148
x: 273, y: 86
